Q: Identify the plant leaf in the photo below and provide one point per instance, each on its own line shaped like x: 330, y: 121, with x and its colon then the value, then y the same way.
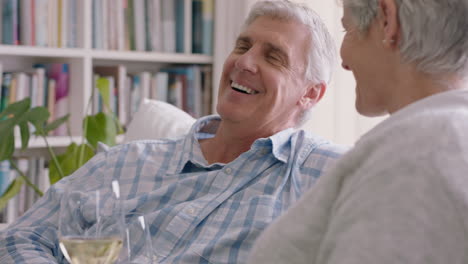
x: 6, y: 126
x: 38, y: 116
x: 7, y: 145
x: 11, y: 191
x: 56, y: 123
x: 69, y: 161
x: 101, y: 128
x: 16, y: 108
x: 24, y: 129
x: 102, y: 85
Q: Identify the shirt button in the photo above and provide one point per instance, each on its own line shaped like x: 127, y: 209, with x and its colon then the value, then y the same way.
x: 190, y: 211
x: 228, y: 170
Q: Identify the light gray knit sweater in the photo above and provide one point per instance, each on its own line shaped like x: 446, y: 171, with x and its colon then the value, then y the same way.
x: 400, y: 196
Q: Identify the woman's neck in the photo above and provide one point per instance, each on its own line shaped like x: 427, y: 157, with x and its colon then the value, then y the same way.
x: 413, y: 85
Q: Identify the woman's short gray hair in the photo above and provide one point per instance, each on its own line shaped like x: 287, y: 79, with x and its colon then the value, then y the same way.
x: 322, y: 54
x: 434, y: 32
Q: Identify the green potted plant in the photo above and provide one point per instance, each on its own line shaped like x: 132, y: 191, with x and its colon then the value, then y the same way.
x: 101, y: 127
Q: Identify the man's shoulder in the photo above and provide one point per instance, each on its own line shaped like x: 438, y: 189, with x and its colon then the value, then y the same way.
x: 318, y: 152
x: 320, y: 145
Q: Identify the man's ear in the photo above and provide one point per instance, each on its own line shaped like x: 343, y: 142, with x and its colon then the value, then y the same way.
x: 312, y: 95
x: 388, y: 20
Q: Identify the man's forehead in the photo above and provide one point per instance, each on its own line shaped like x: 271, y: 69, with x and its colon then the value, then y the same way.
x: 267, y: 42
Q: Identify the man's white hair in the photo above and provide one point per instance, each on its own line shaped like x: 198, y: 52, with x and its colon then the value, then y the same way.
x: 321, y: 53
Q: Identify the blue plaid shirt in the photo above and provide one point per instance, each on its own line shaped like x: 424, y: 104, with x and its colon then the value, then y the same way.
x: 198, y: 213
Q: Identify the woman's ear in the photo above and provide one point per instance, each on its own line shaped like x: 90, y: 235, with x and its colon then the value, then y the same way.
x: 389, y: 22
x: 313, y: 95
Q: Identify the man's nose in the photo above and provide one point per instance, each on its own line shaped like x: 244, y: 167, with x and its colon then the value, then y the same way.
x: 248, y: 61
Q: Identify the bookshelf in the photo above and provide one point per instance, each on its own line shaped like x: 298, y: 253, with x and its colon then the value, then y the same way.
x: 84, y: 55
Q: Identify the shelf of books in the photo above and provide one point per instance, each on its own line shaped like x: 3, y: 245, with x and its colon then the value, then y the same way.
x: 57, y: 52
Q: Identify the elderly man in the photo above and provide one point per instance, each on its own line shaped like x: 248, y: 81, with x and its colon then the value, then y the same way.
x: 209, y: 195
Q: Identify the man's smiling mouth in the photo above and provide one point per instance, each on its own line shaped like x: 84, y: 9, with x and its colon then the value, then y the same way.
x: 242, y: 89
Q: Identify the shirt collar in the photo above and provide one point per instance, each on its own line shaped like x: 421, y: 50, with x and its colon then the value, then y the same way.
x: 190, y: 150
x: 279, y: 144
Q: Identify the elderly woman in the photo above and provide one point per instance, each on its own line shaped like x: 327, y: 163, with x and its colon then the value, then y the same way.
x: 401, y: 195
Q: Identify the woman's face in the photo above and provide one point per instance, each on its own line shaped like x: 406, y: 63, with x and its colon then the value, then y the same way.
x: 363, y: 54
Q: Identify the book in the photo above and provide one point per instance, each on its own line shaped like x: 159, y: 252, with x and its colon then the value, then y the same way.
x: 104, y: 20
x: 197, y: 26
x: 25, y: 22
x: 51, y: 86
x: 23, y: 166
x: 96, y: 24
x: 13, y: 89
x: 64, y: 19
x: 130, y: 22
x: 135, y: 94
x: 6, y: 84
x: 33, y: 91
x: 41, y: 20
x: 112, y: 25
x: 43, y: 175
x: 160, y: 86
x: 147, y: 14
x: 120, y: 24
x: 1, y: 22
x: 207, y: 77
x: 139, y: 24
x: 156, y: 25
x: 145, y: 84
x: 168, y: 25
x: 60, y: 73
x: 41, y: 93
x: 5, y: 178
x: 8, y: 23
x: 16, y: 22
x: 1, y: 82
x: 22, y: 86
x: 119, y: 74
x: 72, y: 41
x: 207, y: 27
x: 180, y: 25
x: 196, y: 100
x: 52, y: 23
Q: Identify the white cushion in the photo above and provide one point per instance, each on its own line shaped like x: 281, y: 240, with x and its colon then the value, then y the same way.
x: 157, y: 119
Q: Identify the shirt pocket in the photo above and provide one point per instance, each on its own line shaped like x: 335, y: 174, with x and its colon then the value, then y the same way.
x: 231, y: 230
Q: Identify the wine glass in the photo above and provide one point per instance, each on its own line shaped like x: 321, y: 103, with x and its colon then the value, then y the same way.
x: 137, y: 245
x: 91, y: 225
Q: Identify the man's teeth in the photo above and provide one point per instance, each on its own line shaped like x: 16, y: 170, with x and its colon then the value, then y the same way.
x: 242, y: 88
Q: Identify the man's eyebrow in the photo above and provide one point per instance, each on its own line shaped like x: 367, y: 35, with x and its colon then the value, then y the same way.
x: 243, y: 39
x: 277, y: 49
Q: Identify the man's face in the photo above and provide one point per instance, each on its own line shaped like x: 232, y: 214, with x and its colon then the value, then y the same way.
x: 263, y: 85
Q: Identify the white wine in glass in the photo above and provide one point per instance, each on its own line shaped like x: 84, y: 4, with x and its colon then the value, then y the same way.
x: 90, y: 250
x: 91, y: 225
